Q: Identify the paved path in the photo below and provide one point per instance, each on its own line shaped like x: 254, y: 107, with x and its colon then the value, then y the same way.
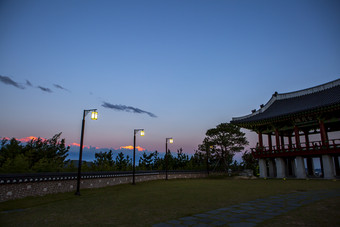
x: 253, y: 212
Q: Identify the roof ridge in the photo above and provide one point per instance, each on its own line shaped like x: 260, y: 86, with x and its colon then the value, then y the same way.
x: 289, y: 95
x: 307, y: 91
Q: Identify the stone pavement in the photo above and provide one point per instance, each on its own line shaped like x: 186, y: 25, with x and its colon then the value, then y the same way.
x: 253, y: 212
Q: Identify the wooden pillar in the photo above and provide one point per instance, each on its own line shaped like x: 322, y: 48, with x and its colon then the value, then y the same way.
x: 277, y: 137
x: 270, y: 142
x: 323, y: 133
x: 307, y: 139
x: 260, y: 140
x: 297, y: 137
x: 290, y: 142
x: 282, y: 142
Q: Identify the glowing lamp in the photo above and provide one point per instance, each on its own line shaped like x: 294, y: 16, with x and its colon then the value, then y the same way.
x: 134, y: 151
x: 170, y: 140
x: 94, y: 115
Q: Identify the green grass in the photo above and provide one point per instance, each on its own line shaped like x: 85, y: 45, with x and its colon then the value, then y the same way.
x: 146, y: 203
x: 322, y: 213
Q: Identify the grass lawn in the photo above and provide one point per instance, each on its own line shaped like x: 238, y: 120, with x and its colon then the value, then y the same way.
x: 323, y: 213
x: 152, y: 202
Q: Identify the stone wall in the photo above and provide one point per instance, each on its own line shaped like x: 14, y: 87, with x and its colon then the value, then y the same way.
x: 21, y: 190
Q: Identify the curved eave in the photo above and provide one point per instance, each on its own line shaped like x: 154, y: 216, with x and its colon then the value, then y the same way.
x: 273, y: 120
x: 286, y: 96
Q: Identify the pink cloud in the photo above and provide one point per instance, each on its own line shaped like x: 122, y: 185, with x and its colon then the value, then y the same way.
x: 27, y: 139
x: 78, y: 145
x: 131, y: 148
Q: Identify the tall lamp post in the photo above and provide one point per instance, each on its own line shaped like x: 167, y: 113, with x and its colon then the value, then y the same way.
x: 171, y: 140
x: 142, y: 133
x: 94, y: 116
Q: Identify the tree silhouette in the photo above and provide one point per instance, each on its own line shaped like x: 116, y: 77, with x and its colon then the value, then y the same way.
x: 38, y: 155
x: 223, y: 142
x: 103, y: 161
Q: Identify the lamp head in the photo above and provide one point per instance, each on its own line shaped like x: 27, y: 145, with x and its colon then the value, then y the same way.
x: 94, y: 115
x: 171, y: 140
x: 142, y: 133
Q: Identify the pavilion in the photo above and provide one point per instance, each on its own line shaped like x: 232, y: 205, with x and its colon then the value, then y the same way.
x: 297, y: 127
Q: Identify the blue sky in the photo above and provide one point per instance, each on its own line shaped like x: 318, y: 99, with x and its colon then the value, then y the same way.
x: 193, y: 64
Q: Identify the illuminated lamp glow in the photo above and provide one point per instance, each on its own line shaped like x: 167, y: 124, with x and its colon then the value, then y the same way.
x: 94, y: 115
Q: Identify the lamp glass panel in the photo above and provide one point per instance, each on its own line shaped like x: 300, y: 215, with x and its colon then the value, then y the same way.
x: 171, y: 140
x: 142, y: 133
x: 94, y: 115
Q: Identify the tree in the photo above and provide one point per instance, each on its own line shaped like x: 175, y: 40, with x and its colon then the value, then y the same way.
x: 70, y: 166
x: 9, y: 150
x: 249, y: 162
x: 17, y: 165
x: 128, y: 163
x: 145, y: 162
x: 182, y: 160
x: 169, y: 160
x: 45, y: 165
x: 47, y: 152
x: 197, y: 161
x: 158, y: 163
x: 235, y: 166
x: 123, y: 163
x: 226, y: 139
x: 103, y: 161
x: 38, y: 155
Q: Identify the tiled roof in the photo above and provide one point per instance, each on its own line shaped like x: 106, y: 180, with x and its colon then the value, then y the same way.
x: 280, y: 105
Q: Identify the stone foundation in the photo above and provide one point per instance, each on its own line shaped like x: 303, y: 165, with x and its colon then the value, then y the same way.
x: 22, y: 190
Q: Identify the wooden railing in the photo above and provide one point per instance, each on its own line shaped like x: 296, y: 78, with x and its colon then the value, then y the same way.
x: 303, y: 149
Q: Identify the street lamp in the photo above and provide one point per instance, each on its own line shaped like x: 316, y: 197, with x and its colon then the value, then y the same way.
x: 142, y: 133
x: 171, y: 140
x: 94, y: 116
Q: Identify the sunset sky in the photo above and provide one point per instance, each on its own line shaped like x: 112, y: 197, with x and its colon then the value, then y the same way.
x: 173, y: 67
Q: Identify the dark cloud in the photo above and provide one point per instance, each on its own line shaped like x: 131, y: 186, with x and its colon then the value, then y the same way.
x: 126, y: 108
x: 60, y: 87
x: 9, y: 81
x: 45, y: 89
x: 28, y: 83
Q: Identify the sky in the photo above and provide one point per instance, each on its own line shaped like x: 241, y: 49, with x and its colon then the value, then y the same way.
x: 175, y: 68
